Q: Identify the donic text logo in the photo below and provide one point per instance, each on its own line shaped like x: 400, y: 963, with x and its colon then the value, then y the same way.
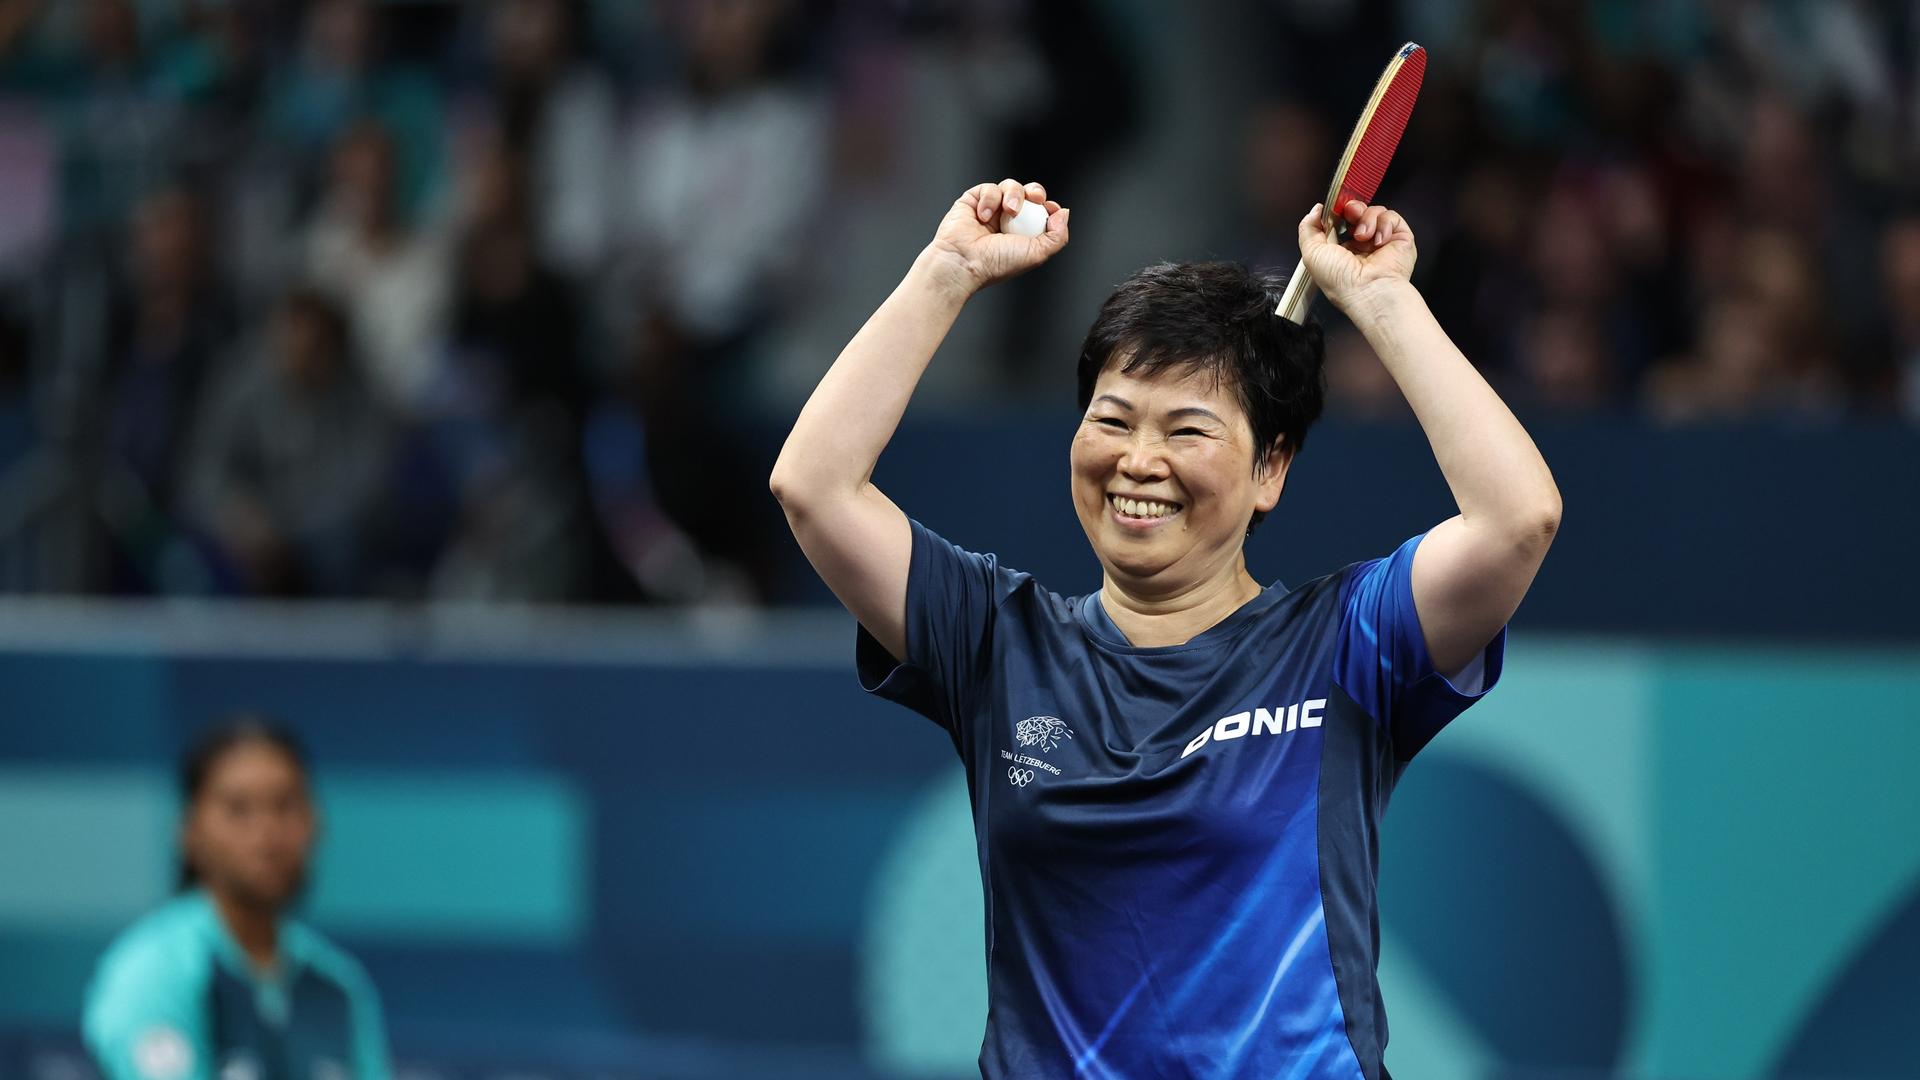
x: 1045, y: 732
x: 1304, y: 714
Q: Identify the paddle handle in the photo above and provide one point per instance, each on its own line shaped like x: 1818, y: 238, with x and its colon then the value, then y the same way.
x: 1299, y: 297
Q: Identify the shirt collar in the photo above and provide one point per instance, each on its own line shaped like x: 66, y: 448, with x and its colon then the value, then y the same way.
x: 1100, y: 625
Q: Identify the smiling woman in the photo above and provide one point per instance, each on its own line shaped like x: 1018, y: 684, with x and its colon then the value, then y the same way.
x: 1196, y: 399
x: 1166, y: 894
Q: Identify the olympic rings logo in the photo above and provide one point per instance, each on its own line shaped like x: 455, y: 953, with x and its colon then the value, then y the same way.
x: 1019, y: 777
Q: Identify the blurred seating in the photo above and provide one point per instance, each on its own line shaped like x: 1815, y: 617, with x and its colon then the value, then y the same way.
x: 585, y: 248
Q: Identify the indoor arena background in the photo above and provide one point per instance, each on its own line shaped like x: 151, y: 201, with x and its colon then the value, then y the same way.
x: 601, y: 795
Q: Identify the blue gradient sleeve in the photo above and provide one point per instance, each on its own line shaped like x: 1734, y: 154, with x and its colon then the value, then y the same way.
x: 1381, y: 659
x: 953, y: 596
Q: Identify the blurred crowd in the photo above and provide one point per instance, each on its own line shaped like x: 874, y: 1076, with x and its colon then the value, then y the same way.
x: 1701, y: 211
x: 421, y: 298
x: 395, y: 299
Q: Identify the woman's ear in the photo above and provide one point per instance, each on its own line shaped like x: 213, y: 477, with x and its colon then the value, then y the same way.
x: 1270, y: 472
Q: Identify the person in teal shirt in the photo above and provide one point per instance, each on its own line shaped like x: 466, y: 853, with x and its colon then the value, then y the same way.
x: 220, y: 982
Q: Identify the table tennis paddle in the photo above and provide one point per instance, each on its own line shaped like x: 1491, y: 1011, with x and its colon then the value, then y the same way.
x: 1369, y: 149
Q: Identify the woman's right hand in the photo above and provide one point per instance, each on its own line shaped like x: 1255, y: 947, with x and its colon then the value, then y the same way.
x: 970, y: 243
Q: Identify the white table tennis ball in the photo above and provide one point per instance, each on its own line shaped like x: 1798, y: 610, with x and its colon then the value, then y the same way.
x: 1030, y: 221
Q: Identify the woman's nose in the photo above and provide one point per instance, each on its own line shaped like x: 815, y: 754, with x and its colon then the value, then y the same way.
x: 1143, y: 459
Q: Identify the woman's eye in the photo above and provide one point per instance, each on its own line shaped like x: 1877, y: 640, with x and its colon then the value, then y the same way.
x: 1189, y: 431
x: 1111, y: 422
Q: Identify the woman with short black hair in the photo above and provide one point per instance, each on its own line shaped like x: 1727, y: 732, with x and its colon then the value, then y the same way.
x: 1178, y: 780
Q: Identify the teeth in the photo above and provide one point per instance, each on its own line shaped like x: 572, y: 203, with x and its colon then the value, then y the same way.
x: 1143, y: 508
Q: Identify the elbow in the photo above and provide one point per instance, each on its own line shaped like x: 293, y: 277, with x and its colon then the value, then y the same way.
x: 1525, y: 527
x: 801, y: 486
x: 783, y: 485
x: 793, y: 488
x: 1542, y: 523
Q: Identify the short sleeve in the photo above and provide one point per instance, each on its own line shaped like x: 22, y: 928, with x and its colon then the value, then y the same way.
x: 953, y: 598
x: 145, y: 1016
x: 1381, y: 658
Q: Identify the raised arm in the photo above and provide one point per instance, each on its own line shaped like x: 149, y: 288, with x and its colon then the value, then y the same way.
x: 856, y: 538
x: 1472, y: 570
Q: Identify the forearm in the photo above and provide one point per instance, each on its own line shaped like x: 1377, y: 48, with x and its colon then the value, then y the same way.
x: 858, y: 404
x: 1498, y: 478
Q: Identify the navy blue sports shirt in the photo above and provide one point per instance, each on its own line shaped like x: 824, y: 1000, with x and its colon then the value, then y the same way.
x: 1179, y: 845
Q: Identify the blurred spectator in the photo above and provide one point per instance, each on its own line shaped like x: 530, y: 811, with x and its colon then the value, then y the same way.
x: 392, y: 274
x: 647, y: 506
x: 338, y: 80
x: 1637, y: 222
x: 523, y: 533
x: 514, y: 319
x: 560, y: 112
x: 726, y: 174
x: 116, y: 115
x: 220, y: 980
x: 1057, y: 82
x: 728, y: 177
x: 506, y: 415
x: 1590, y: 266
x: 1563, y: 363
x: 170, y: 324
x: 1479, y: 273
x: 1743, y: 366
x: 1567, y: 252
x: 1732, y: 373
x: 1528, y: 61
x: 1782, y: 172
x: 1778, y: 270
x: 292, y: 458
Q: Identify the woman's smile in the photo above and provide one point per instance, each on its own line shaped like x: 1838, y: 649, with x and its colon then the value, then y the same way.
x: 1141, y: 513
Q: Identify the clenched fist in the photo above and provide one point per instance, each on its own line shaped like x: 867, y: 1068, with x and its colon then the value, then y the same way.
x: 1378, y: 254
x: 971, y: 246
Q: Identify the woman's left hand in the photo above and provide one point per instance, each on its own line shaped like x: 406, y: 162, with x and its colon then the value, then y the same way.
x: 1378, y: 253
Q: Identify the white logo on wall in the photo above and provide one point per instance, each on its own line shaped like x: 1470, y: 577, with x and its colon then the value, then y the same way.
x: 162, y: 1053
x: 1045, y: 732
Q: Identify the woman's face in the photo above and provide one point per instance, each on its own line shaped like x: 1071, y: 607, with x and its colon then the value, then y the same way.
x: 1163, y: 477
x: 249, y: 832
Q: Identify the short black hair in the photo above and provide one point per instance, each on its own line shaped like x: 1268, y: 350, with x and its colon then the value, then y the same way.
x: 1216, y: 317
x: 241, y: 729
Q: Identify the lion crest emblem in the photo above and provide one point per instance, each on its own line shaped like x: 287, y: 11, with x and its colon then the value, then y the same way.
x: 1045, y: 732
